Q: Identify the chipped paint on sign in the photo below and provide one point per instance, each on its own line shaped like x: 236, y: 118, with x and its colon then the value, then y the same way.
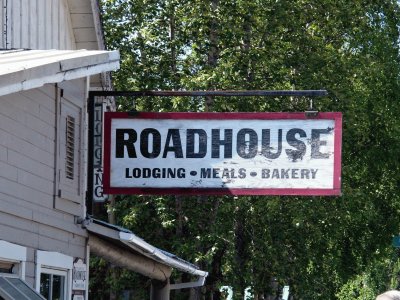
x: 236, y: 153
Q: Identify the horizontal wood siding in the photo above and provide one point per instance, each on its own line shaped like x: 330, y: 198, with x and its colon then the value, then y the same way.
x: 36, y: 24
x: 2, y: 26
x: 84, y: 25
x: 28, y: 216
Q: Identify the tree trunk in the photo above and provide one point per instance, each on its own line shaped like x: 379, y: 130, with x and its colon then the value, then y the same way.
x: 213, y: 53
x: 240, y: 251
x: 247, y: 29
x: 172, y: 29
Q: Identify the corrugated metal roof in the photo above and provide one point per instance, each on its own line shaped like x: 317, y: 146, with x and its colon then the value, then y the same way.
x: 27, y: 69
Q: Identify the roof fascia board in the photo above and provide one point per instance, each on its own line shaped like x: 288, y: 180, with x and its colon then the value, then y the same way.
x: 35, y: 73
x: 88, y: 59
x: 91, y: 70
x: 22, y: 85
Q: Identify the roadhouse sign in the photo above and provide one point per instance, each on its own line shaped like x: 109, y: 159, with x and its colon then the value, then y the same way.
x: 222, y: 153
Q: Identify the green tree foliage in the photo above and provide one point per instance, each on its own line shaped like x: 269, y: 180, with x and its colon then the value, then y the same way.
x: 324, y: 248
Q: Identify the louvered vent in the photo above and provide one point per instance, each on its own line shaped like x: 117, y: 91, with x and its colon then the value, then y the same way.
x: 70, y: 147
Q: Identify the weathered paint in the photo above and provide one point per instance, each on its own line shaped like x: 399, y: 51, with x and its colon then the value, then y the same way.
x: 27, y: 177
x: 235, y: 153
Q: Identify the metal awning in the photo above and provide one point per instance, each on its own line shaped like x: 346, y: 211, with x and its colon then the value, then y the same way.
x: 14, y: 288
x: 123, y: 248
x: 27, y: 69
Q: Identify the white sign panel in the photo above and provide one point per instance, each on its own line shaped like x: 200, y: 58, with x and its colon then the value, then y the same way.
x: 79, y: 275
x: 222, y: 153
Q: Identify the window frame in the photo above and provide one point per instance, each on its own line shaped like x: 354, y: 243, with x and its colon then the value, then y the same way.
x: 57, y: 272
x: 12, y: 253
x: 55, y: 263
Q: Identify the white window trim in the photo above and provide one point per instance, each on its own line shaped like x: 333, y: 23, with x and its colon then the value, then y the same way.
x: 14, y: 253
x: 46, y: 260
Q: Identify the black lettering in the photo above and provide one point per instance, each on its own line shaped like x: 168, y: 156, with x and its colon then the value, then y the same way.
x: 171, y: 173
x: 295, y: 173
x: 305, y: 173
x: 97, y: 140
x: 156, y: 173
x: 98, y: 191
x: 97, y: 128
x: 191, y: 143
x: 225, y: 173
x: 146, y: 173
x: 181, y: 173
x: 128, y: 143
x: 294, y: 155
x: 316, y: 143
x: 313, y: 173
x: 136, y: 172
x: 247, y: 149
x: 265, y: 173
x: 266, y: 144
x: 275, y: 173
x: 216, y: 143
x: 215, y: 173
x: 145, y: 143
x: 97, y: 113
x: 98, y: 178
x: 285, y: 173
x: 242, y: 173
x: 173, y: 134
x: 205, y: 173
x: 97, y: 154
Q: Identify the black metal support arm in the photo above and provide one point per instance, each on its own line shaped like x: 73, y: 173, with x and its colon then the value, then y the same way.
x: 240, y: 93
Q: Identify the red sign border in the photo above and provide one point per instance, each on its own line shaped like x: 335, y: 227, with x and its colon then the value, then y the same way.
x: 335, y: 191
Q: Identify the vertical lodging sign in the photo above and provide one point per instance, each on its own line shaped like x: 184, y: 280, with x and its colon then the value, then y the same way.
x: 222, y: 153
x: 98, y: 195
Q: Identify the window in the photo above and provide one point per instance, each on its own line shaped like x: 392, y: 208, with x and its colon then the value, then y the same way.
x: 53, y: 284
x: 6, y: 267
x: 54, y: 275
x: 12, y: 259
x: 12, y: 273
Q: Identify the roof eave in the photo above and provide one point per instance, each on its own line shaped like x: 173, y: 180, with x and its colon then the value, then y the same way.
x: 68, y: 65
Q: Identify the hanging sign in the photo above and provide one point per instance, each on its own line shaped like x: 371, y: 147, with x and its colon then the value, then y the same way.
x: 222, y: 153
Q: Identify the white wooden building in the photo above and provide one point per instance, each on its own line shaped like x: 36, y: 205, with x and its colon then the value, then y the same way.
x: 51, y: 55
